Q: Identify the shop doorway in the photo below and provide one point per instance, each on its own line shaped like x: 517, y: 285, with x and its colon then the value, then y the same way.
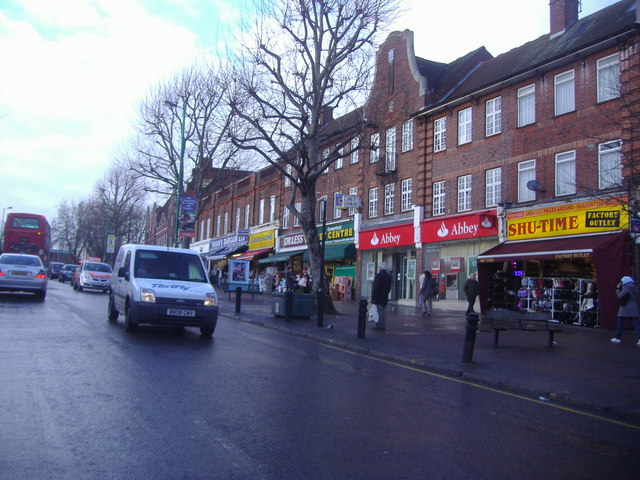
x: 403, y: 288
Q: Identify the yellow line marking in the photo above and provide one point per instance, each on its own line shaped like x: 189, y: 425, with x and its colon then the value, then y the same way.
x: 478, y: 385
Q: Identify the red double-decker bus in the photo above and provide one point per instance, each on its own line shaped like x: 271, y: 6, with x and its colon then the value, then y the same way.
x: 27, y: 233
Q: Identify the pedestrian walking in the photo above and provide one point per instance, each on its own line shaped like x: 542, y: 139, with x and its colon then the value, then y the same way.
x: 380, y: 295
x: 428, y: 290
x: 471, y: 289
x: 627, y: 294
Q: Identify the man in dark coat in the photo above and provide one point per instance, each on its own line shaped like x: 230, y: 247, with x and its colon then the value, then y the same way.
x: 471, y: 289
x: 627, y: 294
x: 380, y: 294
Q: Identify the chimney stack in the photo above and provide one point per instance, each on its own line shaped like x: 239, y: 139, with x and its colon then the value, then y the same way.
x: 564, y: 13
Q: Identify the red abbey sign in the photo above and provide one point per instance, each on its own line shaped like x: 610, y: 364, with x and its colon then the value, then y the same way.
x: 459, y: 227
x: 397, y: 236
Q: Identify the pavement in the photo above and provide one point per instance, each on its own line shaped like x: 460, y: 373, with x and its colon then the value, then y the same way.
x: 583, y: 370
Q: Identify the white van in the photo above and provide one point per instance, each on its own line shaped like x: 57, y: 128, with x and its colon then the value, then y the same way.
x: 162, y: 286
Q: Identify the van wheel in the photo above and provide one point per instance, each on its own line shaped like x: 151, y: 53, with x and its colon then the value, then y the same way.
x: 112, y: 312
x: 129, y: 321
x: 206, y: 331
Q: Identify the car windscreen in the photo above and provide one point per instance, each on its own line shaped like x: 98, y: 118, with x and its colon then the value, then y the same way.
x: 20, y: 260
x: 97, y: 267
x: 169, y: 266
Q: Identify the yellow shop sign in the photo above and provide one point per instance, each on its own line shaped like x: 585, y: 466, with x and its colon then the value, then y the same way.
x: 262, y: 240
x: 569, y: 219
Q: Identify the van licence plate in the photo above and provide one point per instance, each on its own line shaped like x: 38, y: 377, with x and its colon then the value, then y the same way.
x: 178, y: 312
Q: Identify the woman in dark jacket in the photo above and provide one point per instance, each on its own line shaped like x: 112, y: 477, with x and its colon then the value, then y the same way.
x: 627, y: 293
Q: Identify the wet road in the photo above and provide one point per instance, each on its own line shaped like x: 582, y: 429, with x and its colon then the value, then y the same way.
x: 81, y: 398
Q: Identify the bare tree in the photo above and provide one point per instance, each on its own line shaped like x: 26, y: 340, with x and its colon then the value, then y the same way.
x: 306, y: 58
x: 66, y: 228
x: 187, y: 118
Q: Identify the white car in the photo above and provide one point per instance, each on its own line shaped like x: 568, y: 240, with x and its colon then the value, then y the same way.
x: 23, y: 273
x: 162, y: 286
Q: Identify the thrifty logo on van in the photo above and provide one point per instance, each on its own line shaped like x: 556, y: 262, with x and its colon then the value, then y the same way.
x: 174, y: 287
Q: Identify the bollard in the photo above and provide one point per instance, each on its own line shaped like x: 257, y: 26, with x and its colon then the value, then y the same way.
x: 470, y: 337
x: 288, y: 305
x: 238, y: 298
x: 362, y: 317
x: 320, y: 319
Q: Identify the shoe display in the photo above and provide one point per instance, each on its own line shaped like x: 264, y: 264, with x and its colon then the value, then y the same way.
x: 615, y: 340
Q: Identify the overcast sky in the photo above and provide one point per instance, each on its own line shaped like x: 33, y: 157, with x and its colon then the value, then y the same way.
x: 73, y: 71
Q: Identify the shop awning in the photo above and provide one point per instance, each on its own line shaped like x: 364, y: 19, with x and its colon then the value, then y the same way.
x: 223, y: 252
x: 336, y: 251
x: 251, y: 254
x: 549, y: 249
x: 281, y: 257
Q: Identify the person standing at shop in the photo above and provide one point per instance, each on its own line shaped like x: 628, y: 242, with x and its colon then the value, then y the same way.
x: 627, y: 293
x: 428, y: 290
x: 380, y: 295
x: 471, y: 289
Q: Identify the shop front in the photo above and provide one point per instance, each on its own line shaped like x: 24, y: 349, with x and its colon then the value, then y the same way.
x: 563, y: 259
x: 451, y: 246
x: 223, y: 247
x: 394, y: 245
x: 261, y: 244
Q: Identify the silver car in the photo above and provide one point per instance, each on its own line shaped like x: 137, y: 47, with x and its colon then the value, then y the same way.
x: 23, y: 273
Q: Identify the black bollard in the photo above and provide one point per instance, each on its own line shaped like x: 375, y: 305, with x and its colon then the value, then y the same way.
x: 288, y: 305
x: 470, y: 337
x: 362, y: 317
x: 320, y: 319
x: 238, y: 298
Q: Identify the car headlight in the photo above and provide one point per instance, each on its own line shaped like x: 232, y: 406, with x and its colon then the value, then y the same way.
x: 148, y: 295
x: 210, y: 300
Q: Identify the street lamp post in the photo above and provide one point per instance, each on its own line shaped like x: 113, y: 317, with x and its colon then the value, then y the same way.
x: 321, y: 292
x: 2, y: 227
x: 180, y: 170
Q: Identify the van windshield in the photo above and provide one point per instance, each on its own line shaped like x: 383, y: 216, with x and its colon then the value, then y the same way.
x: 169, y: 266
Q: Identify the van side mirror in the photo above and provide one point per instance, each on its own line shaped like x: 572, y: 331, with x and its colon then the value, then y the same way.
x: 123, y: 272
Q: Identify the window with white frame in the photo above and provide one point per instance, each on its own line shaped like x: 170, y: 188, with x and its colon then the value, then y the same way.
x: 296, y: 219
x: 464, y: 126
x: 218, y: 225
x: 527, y: 105
x: 208, y: 232
x: 201, y: 236
x: 526, y: 173
x: 373, y: 202
x: 322, y: 203
x: 566, y: 173
x: 355, y: 144
x: 407, y: 135
x: 226, y: 222
x: 246, y: 215
x: 325, y: 159
x: 238, y: 218
x: 287, y: 180
x: 337, y: 212
x: 285, y: 217
x: 440, y: 134
x: 610, y: 164
x: 390, y: 154
x: 565, y: 97
x: 493, y: 116
x: 464, y: 193
x: 438, y: 198
x: 406, y: 201
x: 389, y: 194
x: 374, y: 153
x: 272, y: 208
x: 261, y: 216
x: 493, y: 186
x: 340, y: 160
x: 608, y: 77
x: 353, y: 191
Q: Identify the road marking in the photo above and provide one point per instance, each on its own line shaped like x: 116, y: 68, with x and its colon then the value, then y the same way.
x: 478, y: 385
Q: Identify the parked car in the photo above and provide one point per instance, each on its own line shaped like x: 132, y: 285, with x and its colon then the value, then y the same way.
x: 23, y: 273
x: 93, y: 275
x: 67, y: 272
x: 162, y: 286
x: 53, y: 271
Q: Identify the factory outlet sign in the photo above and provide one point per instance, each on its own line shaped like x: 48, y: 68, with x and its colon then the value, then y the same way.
x: 396, y: 236
x: 473, y: 225
x: 568, y: 219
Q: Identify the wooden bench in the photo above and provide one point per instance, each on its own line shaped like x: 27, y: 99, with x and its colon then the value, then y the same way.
x: 501, y: 320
